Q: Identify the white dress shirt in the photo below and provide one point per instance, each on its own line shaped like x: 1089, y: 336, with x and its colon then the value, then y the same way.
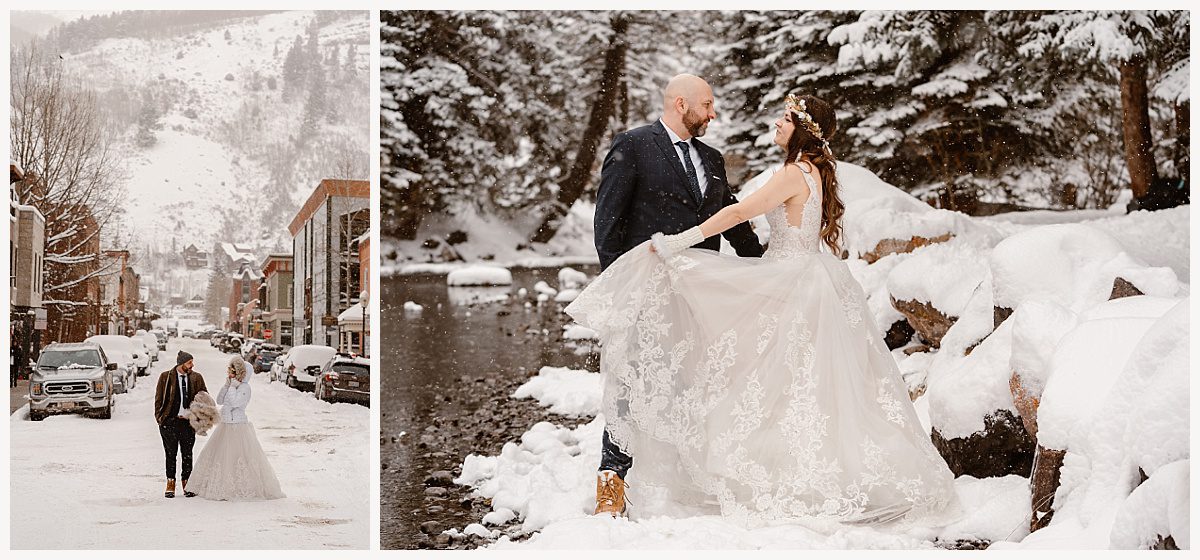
x: 701, y: 176
x: 179, y: 377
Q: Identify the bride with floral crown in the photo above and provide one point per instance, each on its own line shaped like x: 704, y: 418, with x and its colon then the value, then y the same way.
x: 761, y: 389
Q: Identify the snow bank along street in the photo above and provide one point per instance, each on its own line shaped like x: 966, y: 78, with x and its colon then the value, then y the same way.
x: 99, y: 483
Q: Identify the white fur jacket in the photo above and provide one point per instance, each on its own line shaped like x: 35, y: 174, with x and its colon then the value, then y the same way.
x: 234, y: 397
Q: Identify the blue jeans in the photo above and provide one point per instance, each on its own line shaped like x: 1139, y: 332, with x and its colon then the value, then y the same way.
x: 613, y: 459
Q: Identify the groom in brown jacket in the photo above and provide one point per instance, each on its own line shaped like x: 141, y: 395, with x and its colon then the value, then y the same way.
x: 174, y: 393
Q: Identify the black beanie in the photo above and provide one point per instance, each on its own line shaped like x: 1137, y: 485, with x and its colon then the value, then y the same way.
x: 183, y: 357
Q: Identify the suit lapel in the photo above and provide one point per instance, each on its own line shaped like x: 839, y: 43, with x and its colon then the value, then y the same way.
x: 710, y: 171
x: 663, y: 141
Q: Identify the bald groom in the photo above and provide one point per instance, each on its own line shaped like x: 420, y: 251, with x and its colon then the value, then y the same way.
x: 660, y: 178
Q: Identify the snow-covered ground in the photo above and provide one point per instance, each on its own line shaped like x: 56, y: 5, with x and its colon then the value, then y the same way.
x: 86, y: 483
x: 548, y: 479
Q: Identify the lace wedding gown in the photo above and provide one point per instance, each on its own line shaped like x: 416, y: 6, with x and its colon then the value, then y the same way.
x: 759, y: 389
x: 232, y: 465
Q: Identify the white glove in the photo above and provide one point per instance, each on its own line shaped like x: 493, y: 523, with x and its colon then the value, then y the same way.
x: 668, y: 245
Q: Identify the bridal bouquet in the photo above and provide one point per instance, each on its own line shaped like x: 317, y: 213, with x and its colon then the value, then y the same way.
x: 203, y: 413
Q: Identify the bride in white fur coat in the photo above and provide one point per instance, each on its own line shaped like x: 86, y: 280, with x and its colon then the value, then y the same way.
x: 233, y: 466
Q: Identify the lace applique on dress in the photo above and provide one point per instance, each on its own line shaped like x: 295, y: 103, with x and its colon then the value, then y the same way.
x: 788, y: 240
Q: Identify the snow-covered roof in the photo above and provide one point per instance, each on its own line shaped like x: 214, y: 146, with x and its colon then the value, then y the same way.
x: 236, y: 253
x: 352, y: 314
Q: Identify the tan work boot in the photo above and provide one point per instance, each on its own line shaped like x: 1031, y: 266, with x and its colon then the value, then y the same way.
x: 610, y: 494
x: 170, y: 493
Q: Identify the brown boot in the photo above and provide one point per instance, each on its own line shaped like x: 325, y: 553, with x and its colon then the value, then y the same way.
x: 170, y: 493
x: 187, y: 494
x: 610, y: 494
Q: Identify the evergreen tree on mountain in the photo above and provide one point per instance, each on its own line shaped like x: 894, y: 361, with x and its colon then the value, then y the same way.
x: 295, y: 70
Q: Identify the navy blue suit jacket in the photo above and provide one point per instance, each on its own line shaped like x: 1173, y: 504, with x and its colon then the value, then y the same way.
x: 644, y: 190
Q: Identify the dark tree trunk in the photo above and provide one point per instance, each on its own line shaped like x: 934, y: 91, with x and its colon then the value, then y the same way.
x: 603, y: 110
x: 1135, y: 125
x: 1183, y: 138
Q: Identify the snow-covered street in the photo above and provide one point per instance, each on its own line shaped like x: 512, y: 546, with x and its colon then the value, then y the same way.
x: 99, y: 483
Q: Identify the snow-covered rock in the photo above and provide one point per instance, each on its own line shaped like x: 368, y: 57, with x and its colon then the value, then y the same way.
x: 413, y: 307
x: 579, y: 332
x: 542, y: 287
x: 479, y: 275
x: 1116, y: 411
x: 565, y: 391
x: 567, y: 296
x: 1156, y: 509
x: 570, y: 278
x: 1073, y: 264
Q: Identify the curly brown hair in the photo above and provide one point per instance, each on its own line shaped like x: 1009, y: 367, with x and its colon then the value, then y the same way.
x: 804, y: 145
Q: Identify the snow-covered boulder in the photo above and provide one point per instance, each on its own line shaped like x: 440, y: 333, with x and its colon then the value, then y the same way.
x: 566, y: 391
x: 579, y: 332
x: 479, y: 275
x: 567, y: 296
x: 1116, y: 402
x: 541, y: 287
x: 570, y: 278
x: 976, y: 427
x: 1038, y: 326
x: 1073, y: 264
x: 932, y: 288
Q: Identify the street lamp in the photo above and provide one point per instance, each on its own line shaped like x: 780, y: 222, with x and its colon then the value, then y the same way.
x: 362, y: 335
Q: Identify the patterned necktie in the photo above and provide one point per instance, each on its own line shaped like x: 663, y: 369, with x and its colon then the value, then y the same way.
x: 691, y: 169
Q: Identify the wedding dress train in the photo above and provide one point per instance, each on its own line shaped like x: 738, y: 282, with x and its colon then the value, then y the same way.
x: 759, y: 389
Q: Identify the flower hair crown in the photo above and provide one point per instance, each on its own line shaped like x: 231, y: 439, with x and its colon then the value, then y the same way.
x: 796, y: 105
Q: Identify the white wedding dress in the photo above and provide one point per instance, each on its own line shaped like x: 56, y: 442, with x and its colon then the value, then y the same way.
x: 232, y: 466
x: 759, y: 389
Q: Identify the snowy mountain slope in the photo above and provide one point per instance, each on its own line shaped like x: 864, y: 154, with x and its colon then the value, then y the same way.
x: 228, y: 157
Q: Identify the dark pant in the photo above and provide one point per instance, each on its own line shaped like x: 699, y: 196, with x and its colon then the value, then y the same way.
x: 178, y: 437
x: 613, y: 459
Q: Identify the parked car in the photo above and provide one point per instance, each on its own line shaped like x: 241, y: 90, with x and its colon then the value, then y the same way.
x: 297, y: 361
x: 267, y: 353
x: 120, y: 349
x: 232, y: 344
x: 204, y: 334
x: 161, y: 337
x: 344, y: 378
x: 249, y: 346
x: 217, y: 339
x: 173, y: 331
x: 189, y: 333
x: 150, y: 342
x: 277, y: 373
x: 71, y: 377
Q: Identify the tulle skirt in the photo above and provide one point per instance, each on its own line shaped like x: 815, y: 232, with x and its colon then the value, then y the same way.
x: 758, y: 389
x: 232, y: 466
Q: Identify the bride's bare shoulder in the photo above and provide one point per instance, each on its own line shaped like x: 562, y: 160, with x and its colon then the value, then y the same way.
x: 794, y: 173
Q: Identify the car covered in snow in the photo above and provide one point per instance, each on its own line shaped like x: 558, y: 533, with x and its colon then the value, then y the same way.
x: 120, y: 350
x: 71, y: 377
x: 149, y: 342
x: 344, y: 378
x: 216, y: 338
x: 161, y: 337
x: 301, y: 364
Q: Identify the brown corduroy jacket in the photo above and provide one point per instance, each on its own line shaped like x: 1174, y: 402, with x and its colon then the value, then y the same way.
x: 166, y: 395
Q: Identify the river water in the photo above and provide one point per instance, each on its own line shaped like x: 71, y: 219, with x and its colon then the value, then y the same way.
x: 446, y: 375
